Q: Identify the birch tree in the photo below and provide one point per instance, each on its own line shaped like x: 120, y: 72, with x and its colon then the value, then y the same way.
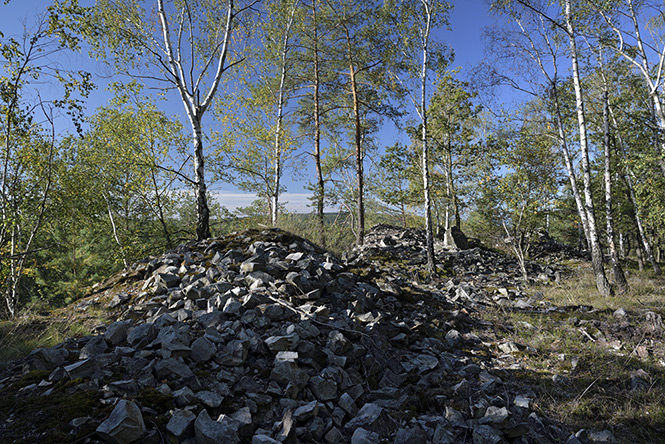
x: 186, y: 46
x: 648, y: 57
x: 561, y: 18
x: 416, y: 21
x: 263, y: 142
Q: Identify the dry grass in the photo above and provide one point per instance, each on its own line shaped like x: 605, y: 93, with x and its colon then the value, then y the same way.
x: 32, y: 330
x: 594, y: 356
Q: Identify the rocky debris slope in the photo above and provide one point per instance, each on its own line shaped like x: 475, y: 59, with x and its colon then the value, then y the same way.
x: 263, y: 337
x: 474, y: 277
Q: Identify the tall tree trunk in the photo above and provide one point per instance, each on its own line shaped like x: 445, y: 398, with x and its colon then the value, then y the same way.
x: 596, y: 253
x: 360, y: 201
x: 431, y: 260
x: 195, y: 108
x: 280, y: 117
x: 617, y: 272
x: 570, y: 169
x: 320, y: 185
x: 202, y: 210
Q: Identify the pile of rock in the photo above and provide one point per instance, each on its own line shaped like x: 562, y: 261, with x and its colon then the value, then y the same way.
x: 545, y: 247
x: 263, y: 337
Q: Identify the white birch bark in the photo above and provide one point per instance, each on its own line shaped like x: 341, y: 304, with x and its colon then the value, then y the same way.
x: 431, y: 260
x: 195, y: 108
x: 596, y: 253
x: 280, y: 116
x: 617, y: 272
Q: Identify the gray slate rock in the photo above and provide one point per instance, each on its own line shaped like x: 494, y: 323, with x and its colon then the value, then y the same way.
x: 362, y: 436
x: 213, y: 432
x: 116, y: 333
x: 372, y: 417
x: 125, y: 424
x: 484, y: 434
x: 181, y: 424
x: 203, y: 349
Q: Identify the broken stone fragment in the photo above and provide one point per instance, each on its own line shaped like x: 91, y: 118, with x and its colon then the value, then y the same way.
x: 411, y: 435
x: 325, y: 389
x: 87, y: 368
x: 282, y: 343
x: 203, y: 349
x: 338, y: 343
x: 214, y: 432
x: 484, y: 434
x: 422, y: 363
x: 141, y: 335
x: 46, y: 358
x: 372, y: 417
x: 116, y: 333
x: 125, y: 424
x: 181, y: 424
x: 172, y: 367
x: 362, y: 436
x: 184, y: 396
x: 264, y: 439
x: 306, y: 412
x: 495, y: 416
x: 210, y: 398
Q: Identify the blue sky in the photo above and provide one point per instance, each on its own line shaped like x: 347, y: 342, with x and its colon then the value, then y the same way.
x: 467, y: 20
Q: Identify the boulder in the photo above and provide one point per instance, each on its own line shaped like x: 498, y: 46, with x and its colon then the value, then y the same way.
x: 125, y: 424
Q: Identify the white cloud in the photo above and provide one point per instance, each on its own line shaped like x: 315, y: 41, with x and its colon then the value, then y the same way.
x: 295, y: 202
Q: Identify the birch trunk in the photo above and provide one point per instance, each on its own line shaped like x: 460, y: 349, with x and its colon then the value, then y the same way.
x: 553, y: 79
x: 596, y: 253
x: 431, y: 260
x: 581, y: 211
x: 280, y: 118
x: 617, y: 272
x: 190, y: 94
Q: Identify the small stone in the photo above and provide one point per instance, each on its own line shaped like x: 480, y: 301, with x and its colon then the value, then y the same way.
x: 495, y: 415
x: 422, y: 363
x: 338, y: 343
x: 124, y: 425
x: 362, y: 436
x: 172, y: 367
x: 347, y: 404
x: 264, y: 439
x: 372, y: 417
x: 324, y: 389
x: 82, y: 369
x: 484, y: 434
x: 334, y: 436
x: 306, y: 412
x: 203, y: 350
x: 209, y: 398
x: 181, y: 424
x: 453, y: 337
x: 282, y: 343
x: 183, y: 397
x: 213, y: 432
x: 522, y: 401
x: 116, y: 333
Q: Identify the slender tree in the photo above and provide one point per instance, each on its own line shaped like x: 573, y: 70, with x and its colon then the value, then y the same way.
x: 185, y: 48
